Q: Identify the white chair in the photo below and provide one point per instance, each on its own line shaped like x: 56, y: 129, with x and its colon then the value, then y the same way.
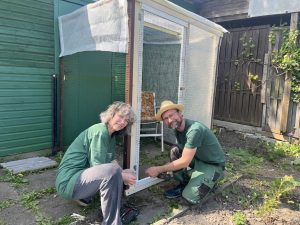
x: 150, y: 127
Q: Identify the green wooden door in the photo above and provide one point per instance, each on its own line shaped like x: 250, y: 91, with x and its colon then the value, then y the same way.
x: 26, y: 69
x: 87, y: 90
x: 93, y: 80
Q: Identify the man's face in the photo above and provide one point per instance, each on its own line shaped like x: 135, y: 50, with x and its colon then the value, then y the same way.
x: 172, y: 118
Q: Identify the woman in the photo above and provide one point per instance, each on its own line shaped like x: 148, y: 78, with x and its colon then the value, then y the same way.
x: 89, y: 164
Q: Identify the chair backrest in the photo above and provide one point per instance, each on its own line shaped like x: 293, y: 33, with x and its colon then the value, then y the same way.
x: 148, y: 106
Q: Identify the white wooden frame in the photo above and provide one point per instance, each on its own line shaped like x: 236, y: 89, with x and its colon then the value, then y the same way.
x: 183, y: 18
x: 134, y: 162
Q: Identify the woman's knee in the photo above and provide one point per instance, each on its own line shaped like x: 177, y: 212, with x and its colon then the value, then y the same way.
x: 114, y: 169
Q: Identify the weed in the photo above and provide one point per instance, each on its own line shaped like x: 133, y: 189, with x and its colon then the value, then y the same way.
x: 145, y: 159
x: 59, y: 156
x: 2, y: 223
x: 155, y: 189
x: 17, y: 180
x: 279, y: 187
x: 95, y: 204
x: 239, y: 218
x: 30, y: 200
x: 65, y: 220
x: 173, y: 204
x: 278, y: 150
x: 247, y: 162
x: 42, y: 220
x: 6, y: 203
x: 296, y: 164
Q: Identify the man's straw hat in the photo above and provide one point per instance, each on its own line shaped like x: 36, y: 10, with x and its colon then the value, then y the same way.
x: 166, y: 105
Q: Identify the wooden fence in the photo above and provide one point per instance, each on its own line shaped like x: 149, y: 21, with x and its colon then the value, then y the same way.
x: 249, y: 91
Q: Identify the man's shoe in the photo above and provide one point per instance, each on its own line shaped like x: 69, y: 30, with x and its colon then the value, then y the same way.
x: 174, y: 192
x: 128, y: 214
x: 84, y: 202
x: 164, y: 176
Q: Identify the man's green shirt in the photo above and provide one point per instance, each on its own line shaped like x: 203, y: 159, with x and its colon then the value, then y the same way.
x: 197, y: 135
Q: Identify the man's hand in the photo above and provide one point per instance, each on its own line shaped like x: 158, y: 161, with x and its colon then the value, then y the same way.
x: 153, y: 171
x: 129, y: 177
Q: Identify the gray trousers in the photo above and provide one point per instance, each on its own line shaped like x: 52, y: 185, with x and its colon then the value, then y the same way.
x: 107, y: 179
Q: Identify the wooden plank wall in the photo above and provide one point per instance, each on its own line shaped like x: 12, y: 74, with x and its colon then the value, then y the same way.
x: 26, y: 69
x: 238, y: 98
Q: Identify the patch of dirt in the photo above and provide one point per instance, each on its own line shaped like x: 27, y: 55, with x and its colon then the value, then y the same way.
x: 247, y: 194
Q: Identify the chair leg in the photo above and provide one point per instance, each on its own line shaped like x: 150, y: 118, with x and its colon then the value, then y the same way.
x: 162, y: 136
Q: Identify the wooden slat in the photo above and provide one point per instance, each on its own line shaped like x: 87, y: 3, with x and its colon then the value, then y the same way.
x: 287, y: 83
x: 297, y: 122
x: 233, y: 69
x: 28, y: 41
x: 242, y: 105
x: 11, y: 14
x: 227, y: 75
x: 220, y: 77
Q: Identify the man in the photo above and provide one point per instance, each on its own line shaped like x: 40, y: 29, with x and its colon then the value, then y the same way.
x: 198, y: 148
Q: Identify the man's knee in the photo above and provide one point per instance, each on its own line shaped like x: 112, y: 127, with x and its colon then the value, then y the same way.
x: 195, y: 194
x: 175, y: 153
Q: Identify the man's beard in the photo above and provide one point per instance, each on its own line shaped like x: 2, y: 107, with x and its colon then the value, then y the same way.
x: 175, y: 125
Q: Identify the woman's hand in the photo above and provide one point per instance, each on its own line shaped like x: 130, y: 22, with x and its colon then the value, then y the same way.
x: 129, y: 177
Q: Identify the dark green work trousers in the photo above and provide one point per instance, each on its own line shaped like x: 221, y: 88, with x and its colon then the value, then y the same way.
x: 199, y: 180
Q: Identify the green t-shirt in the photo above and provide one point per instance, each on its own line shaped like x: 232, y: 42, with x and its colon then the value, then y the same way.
x: 93, y: 146
x: 197, y: 135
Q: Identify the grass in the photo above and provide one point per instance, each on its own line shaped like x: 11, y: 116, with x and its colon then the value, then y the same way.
x: 275, y: 151
x: 30, y: 200
x: 279, y: 188
x: 65, y: 220
x: 239, y: 218
x: 17, y: 180
x: 6, y: 203
x: 243, y: 161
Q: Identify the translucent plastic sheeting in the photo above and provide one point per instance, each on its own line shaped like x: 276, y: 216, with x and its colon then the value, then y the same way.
x: 200, y: 75
x: 100, y: 26
x: 271, y: 7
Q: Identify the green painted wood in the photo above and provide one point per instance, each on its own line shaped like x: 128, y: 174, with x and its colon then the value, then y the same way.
x: 87, y: 91
x: 25, y: 25
x: 25, y: 128
x: 4, y: 151
x: 24, y: 106
x: 25, y: 113
x: 20, y: 16
x: 26, y: 48
x: 25, y: 33
x: 34, y: 5
x: 26, y: 40
x: 26, y: 68
x: 24, y: 135
x: 118, y: 76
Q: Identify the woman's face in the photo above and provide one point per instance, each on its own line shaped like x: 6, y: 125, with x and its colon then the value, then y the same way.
x: 118, y: 122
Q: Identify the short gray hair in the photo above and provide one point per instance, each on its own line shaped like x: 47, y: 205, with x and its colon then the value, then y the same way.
x: 125, y: 110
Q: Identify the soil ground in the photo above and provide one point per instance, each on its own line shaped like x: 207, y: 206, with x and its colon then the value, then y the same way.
x: 36, y: 202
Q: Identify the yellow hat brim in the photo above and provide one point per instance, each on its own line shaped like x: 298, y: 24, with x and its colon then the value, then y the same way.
x: 166, y: 108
